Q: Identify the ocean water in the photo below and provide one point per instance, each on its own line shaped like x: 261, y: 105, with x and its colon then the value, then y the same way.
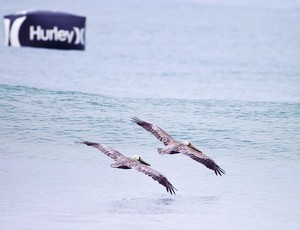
x: 224, y: 75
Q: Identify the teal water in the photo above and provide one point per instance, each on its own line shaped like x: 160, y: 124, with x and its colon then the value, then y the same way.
x: 46, y: 179
x: 223, y: 76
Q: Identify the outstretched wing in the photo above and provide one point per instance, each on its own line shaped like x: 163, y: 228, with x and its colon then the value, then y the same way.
x: 155, y: 175
x: 114, y: 154
x: 197, y: 155
x: 155, y: 130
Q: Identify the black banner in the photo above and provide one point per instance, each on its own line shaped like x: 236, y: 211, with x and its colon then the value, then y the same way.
x: 47, y: 29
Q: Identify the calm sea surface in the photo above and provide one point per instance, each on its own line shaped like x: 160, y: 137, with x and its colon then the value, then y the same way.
x: 225, y: 76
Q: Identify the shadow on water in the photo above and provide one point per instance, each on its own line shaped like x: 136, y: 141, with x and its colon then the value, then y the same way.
x: 142, y: 206
x: 165, y: 201
x: 161, y: 205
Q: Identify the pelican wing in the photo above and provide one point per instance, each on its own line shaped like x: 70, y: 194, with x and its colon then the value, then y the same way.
x: 155, y: 130
x: 203, y: 159
x: 155, y: 175
x: 112, y: 153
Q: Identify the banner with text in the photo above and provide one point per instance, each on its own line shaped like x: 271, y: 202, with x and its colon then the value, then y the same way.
x: 47, y: 29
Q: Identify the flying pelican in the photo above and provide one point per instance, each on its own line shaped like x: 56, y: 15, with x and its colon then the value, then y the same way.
x: 173, y: 146
x: 136, y: 162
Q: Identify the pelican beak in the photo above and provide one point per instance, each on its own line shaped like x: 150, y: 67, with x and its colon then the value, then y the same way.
x: 143, y: 162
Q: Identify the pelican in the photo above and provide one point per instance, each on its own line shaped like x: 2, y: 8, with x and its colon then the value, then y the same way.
x: 173, y: 146
x: 136, y: 162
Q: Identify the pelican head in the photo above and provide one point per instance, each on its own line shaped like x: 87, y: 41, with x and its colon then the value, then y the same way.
x: 189, y: 145
x: 186, y: 143
x: 139, y: 159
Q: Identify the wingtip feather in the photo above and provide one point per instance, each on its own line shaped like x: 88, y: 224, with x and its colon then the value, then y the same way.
x: 219, y: 171
x: 135, y: 119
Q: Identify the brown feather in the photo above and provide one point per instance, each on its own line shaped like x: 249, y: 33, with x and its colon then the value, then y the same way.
x: 160, y: 134
x: 112, y: 153
x: 198, y: 156
x: 124, y: 162
x: 155, y: 175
